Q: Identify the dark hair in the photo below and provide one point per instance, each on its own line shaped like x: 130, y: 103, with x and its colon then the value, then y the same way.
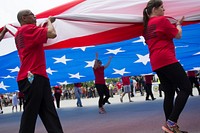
x: 99, y: 61
x: 148, y: 10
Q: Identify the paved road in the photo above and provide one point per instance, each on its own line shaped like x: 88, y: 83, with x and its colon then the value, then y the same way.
x: 137, y: 117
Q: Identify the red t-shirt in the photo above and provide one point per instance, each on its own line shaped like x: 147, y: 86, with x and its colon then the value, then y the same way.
x: 159, y: 37
x: 99, y: 75
x: 57, y: 90
x: 119, y: 85
x: 77, y: 84
x: 126, y: 80
x: 29, y: 41
x: 148, y: 79
x: 191, y: 74
x: 20, y: 94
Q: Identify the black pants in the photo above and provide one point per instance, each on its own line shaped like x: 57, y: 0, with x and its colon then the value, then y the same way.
x: 171, y: 77
x: 148, y: 88
x: 57, y: 97
x: 38, y: 100
x: 102, y: 90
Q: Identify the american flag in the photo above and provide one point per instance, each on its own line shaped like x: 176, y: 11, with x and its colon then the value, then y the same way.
x: 74, y: 63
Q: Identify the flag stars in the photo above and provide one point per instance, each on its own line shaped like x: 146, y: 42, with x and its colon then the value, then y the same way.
x: 8, y: 77
x: 2, y: 86
x: 90, y: 63
x: 115, y: 51
x: 63, y: 60
x: 63, y: 83
x: 77, y: 75
x: 196, y: 68
x: 120, y: 72
x: 140, y: 40
x: 82, y: 48
x: 142, y: 59
x: 16, y: 69
x: 49, y: 71
x: 198, y: 53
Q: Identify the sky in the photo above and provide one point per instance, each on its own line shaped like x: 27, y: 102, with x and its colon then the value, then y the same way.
x: 10, y: 8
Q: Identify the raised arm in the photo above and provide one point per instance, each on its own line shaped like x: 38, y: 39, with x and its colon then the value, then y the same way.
x: 95, y: 62
x: 108, y: 63
x: 51, y: 33
x: 3, y: 32
x: 178, y: 26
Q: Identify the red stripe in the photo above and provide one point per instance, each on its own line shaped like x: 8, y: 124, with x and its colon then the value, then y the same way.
x: 110, y: 36
x: 59, y: 9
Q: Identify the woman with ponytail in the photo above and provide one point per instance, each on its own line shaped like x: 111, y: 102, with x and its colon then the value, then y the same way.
x: 159, y: 34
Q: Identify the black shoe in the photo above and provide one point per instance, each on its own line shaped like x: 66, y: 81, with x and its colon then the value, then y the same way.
x: 147, y: 99
x: 154, y: 99
x: 108, y: 102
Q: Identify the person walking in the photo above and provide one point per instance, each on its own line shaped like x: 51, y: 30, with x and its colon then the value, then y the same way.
x: 148, y: 87
x: 32, y: 77
x: 14, y: 102
x: 127, y: 88
x: 21, y: 100
x: 78, y: 92
x: 159, y: 34
x: 100, y: 84
x: 57, y: 95
x: 193, y: 80
x: 1, y: 106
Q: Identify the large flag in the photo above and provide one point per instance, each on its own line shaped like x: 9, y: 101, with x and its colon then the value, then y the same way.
x: 111, y: 28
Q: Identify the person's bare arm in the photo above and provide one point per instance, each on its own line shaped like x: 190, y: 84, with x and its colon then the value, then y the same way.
x: 3, y: 32
x: 51, y: 32
x: 95, y: 62
x: 178, y: 26
x: 108, y: 63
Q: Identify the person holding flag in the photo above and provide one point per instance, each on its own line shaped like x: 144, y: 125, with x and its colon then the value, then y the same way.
x: 159, y: 34
x: 32, y: 78
x: 100, y: 84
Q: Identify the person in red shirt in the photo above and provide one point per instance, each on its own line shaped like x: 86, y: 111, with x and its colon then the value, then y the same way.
x: 193, y: 80
x: 21, y: 100
x: 32, y: 78
x: 57, y: 95
x: 159, y: 34
x: 100, y: 84
x: 119, y: 87
x: 127, y: 88
x: 148, y: 86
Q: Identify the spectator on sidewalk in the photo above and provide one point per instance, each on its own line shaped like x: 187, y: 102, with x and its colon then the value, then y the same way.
x: 21, y: 100
x: 14, y: 102
x: 78, y: 93
x: 57, y: 94
x: 148, y: 87
x: 127, y: 88
x: 192, y: 75
x: 1, y: 106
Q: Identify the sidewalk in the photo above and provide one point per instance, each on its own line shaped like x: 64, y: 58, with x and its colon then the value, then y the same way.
x: 139, y: 116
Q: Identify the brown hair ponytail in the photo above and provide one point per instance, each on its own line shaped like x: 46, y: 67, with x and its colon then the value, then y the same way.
x: 148, y: 10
